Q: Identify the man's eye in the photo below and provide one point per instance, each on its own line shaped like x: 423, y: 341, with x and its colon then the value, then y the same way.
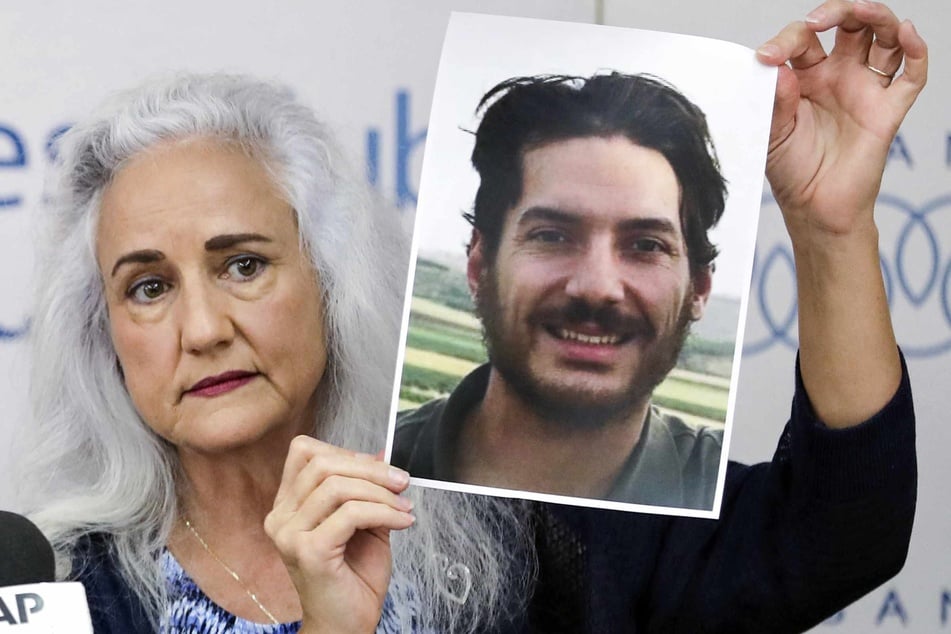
x: 548, y: 236
x: 245, y: 267
x: 147, y: 291
x: 647, y: 245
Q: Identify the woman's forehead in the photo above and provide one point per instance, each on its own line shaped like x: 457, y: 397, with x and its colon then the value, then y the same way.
x: 200, y: 186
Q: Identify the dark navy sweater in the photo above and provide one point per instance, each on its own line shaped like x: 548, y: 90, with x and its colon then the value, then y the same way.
x: 799, y: 538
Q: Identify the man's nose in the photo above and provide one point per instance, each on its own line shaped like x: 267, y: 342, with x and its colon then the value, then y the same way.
x: 597, y: 276
x: 205, y: 321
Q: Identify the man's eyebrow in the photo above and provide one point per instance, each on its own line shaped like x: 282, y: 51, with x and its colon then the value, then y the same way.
x: 228, y: 240
x: 653, y: 224
x: 550, y: 214
x: 144, y: 256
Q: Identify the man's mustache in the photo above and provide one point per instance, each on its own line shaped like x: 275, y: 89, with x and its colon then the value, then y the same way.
x: 607, y: 317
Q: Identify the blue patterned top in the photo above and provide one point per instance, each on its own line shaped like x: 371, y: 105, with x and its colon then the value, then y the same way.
x: 190, y: 611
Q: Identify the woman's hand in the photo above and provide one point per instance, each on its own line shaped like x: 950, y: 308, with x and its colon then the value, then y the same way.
x: 331, y: 521
x: 834, y: 118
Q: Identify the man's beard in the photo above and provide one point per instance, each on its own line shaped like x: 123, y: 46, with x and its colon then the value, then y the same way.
x: 576, y: 407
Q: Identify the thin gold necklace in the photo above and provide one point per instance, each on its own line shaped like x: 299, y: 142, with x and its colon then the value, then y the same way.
x: 230, y: 571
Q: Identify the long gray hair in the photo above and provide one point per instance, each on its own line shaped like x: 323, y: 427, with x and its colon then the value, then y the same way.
x: 92, y: 465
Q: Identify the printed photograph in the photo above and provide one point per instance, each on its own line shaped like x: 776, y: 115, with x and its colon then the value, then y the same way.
x: 581, y: 261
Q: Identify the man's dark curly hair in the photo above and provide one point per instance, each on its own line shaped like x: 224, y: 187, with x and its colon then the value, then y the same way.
x: 524, y: 113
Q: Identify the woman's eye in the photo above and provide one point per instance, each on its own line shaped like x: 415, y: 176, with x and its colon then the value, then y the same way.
x: 147, y: 291
x: 245, y: 268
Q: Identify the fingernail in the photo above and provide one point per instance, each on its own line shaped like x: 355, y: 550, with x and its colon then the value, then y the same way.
x: 398, y: 476
x: 816, y: 16
x: 404, y: 504
x: 768, y: 50
x: 865, y: 2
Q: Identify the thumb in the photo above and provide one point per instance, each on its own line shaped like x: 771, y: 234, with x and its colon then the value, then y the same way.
x: 784, y: 107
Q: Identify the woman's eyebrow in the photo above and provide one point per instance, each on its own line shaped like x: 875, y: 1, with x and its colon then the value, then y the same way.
x: 228, y: 240
x: 145, y: 256
x: 216, y: 243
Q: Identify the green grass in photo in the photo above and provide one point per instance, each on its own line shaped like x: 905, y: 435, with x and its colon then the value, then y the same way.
x: 447, y: 341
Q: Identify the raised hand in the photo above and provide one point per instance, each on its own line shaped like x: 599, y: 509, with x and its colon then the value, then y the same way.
x: 836, y: 114
x: 331, y: 521
x: 834, y: 119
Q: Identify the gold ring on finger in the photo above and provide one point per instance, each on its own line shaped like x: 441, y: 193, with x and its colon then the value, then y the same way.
x: 880, y: 72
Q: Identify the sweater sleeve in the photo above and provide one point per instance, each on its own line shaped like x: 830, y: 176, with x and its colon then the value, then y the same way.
x: 112, y: 605
x: 800, y: 537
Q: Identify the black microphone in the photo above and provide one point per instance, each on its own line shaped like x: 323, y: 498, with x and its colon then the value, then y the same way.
x: 25, y: 554
x: 28, y: 597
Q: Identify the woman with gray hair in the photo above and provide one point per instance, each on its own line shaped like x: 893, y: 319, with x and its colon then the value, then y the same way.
x: 216, y: 290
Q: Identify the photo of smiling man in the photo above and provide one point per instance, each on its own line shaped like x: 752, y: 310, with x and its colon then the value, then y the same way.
x: 588, y: 265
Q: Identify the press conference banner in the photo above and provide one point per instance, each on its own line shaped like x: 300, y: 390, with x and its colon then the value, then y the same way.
x: 368, y: 67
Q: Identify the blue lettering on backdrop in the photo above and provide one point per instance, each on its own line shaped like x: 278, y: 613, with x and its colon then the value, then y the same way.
x: 11, y: 333
x: 898, y: 150
x: 13, y: 154
x: 15, y: 157
x: 373, y: 156
x: 406, y: 143
x: 892, y: 607
x: 945, y: 607
x: 52, y: 141
x: 914, y: 268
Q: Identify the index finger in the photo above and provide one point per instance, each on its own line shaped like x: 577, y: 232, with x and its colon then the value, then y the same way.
x: 856, y: 16
x: 299, y: 453
x: 797, y: 44
x: 310, y: 462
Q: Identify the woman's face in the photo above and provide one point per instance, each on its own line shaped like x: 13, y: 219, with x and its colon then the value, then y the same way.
x: 215, y: 312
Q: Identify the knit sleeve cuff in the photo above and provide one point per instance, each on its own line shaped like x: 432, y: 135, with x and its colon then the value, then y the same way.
x: 847, y: 464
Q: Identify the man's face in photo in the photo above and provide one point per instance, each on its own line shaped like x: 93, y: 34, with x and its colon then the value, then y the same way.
x: 589, y: 298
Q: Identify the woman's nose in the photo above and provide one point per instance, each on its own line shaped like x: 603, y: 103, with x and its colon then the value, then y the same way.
x: 205, y: 321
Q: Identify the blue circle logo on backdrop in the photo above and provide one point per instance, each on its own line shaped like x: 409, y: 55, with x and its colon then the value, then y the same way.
x: 916, y: 269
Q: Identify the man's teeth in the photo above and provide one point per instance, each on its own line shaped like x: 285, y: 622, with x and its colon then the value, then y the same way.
x: 596, y: 340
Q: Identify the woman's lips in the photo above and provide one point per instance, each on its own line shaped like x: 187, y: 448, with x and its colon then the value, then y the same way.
x: 220, y: 384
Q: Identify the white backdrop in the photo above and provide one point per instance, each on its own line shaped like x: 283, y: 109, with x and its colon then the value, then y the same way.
x: 369, y: 66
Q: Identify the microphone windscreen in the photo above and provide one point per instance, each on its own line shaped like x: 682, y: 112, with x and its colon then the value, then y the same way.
x: 25, y: 554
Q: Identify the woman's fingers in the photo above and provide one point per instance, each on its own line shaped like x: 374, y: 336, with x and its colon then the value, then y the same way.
x: 307, y: 542
x: 871, y: 47
x: 310, y: 462
x: 784, y: 107
x: 356, y: 515
x: 867, y: 32
x: 796, y: 44
x: 885, y: 53
x: 328, y: 494
x: 835, y: 13
x: 915, y: 74
x: 335, y: 492
x: 852, y: 17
